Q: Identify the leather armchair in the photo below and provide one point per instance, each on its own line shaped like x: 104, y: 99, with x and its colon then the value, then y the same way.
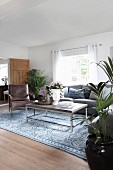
x: 18, y: 96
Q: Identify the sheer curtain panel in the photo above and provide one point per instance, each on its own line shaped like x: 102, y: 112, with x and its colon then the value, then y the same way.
x: 92, y: 52
x: 57, y: 72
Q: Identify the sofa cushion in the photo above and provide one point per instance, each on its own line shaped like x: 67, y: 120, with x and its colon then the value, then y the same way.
x: 76, y: 93
x: 91, y: 103
x: 75, y: 87
x: 90, y: 111
x: 66, y: 99
x: 87, y: 92
x: 65, y: 92
x: 93, y: 96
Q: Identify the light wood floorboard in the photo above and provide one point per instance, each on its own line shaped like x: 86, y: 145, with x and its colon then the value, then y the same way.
x: 20, y: 153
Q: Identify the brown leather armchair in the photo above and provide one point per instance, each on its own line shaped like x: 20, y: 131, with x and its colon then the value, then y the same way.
x: 18, y: 96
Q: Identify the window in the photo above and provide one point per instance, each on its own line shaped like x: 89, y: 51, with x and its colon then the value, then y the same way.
x: 75, y: 66
x: 75, y: 69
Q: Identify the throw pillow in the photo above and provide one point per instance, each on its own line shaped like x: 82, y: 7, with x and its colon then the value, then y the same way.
x: 65, y: 92
x: 76, y: 93
x: 87, y: 92
x: 93, y: 96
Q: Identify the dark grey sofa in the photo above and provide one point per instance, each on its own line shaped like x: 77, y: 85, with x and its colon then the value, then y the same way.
x: 80, y: 94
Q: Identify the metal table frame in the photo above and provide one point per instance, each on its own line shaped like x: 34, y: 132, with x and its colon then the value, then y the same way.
x: 71, y: 111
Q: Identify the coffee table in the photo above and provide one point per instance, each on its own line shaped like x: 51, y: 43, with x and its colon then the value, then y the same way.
x: 72, y: 109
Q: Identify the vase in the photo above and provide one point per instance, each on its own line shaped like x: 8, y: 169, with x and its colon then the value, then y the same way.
x: 55, y: 95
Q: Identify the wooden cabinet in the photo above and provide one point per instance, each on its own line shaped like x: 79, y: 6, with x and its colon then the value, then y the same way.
x: 2, y: 89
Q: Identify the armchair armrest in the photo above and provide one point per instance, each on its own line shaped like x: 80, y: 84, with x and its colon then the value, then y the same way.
x: 13, y: 98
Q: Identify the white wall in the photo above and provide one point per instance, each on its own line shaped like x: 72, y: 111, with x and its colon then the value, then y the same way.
x: 40, y: 56
x: 9, y: 50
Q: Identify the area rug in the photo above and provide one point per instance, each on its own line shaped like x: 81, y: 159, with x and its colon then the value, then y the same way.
x: 49, y: 128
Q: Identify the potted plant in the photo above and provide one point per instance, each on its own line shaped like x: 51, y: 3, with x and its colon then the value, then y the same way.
x: 99, y: 146
x: 36, y: 80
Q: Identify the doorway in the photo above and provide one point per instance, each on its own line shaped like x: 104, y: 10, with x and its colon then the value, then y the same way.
x: 3, y: 71
x: 3, y: 79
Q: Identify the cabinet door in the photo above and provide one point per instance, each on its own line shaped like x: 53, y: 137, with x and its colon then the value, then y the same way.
x: 18, y: 70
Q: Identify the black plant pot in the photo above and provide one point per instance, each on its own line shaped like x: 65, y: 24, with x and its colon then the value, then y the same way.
x: 99, y: 156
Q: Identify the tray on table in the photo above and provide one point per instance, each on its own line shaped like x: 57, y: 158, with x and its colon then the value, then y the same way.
x: 43, y: 103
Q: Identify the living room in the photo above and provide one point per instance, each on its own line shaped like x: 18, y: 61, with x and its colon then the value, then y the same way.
x: 33, y: 30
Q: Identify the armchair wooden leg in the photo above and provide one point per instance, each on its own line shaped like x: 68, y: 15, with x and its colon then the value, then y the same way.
x: 10, y: 109
x: 11, y: 112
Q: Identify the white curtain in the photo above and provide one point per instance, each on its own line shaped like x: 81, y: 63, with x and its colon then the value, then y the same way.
x: 92, y: 52
x: 57, y: 72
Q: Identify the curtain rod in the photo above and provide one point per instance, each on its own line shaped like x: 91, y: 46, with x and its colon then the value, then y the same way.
x: 77, y: 47
x: 80, y: 47
x: 73, y: 48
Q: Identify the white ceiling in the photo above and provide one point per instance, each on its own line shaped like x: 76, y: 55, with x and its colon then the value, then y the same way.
x: 37, y: 22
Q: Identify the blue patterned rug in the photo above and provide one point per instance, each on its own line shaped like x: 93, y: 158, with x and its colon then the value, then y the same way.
x: 46, y: 131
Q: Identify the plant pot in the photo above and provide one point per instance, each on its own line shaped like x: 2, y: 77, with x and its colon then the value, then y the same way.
x: 99, y: 156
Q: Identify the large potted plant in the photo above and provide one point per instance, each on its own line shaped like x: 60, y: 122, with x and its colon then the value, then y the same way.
x: 99, y: 146
x: 36, y: 80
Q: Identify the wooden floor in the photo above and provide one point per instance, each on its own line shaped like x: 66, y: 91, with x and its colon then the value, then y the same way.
x: 20, y: 153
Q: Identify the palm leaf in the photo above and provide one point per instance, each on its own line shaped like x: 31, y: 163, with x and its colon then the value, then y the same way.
x: 110, y: 63
x: 104, y: 103
x: 97, y: 89
x: 107, y: 68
